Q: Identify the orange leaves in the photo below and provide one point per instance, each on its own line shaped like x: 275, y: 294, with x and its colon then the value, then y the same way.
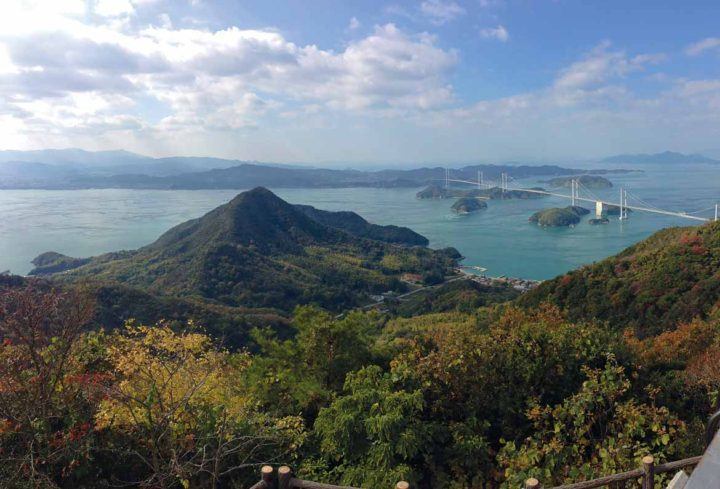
x: 679, y: 346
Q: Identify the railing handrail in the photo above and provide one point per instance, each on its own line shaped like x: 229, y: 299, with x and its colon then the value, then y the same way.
x: 647, y: 472
x: 287, y: 481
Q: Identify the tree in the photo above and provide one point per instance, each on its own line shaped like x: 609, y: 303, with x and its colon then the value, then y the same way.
x: 371, y: 434
x: 598, y: 431
x: 45, y: 403
x: 301, y: 374
x: 179, y: 405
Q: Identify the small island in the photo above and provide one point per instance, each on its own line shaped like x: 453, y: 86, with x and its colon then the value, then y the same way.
x: 52, y: 262
x: 558, y: 217
x: 587, y: 181
x: 614, y: 210
x: 598, y: 220
x: 467, y: 205
x: 433, y: 192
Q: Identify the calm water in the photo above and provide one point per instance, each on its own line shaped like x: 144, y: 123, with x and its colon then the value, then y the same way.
x: 89, y: 222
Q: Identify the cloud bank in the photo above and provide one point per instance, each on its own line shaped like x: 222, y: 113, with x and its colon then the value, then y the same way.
x: 76, y: 73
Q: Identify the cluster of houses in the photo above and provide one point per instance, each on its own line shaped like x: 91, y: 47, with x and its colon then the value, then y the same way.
x: 519, y: 284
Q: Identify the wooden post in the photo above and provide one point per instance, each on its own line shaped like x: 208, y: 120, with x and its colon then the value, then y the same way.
x: 648, y: 466
x: 532, y: 483
x: 402, y: 485
x: 284, y: 476
x: 266, y: 474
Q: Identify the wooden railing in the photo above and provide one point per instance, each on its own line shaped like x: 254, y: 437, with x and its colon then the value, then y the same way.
x: 285, y: 480
x: 647, y: 472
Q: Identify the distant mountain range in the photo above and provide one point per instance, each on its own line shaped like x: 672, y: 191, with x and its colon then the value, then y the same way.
x: 107, y: 163
x: 77, y: 169
x: 668, y: 157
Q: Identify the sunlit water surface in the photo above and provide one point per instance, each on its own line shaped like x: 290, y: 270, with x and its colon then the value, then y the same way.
x: 88, y: 222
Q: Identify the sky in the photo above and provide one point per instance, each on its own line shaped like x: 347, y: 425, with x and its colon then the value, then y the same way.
x: 363, y: 82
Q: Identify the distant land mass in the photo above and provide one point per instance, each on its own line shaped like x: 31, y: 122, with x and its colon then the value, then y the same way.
x: 258, y: 251
x: 588, y: 181
x: 668, y: 157
x: 435, y: 191
x: 78, y: 169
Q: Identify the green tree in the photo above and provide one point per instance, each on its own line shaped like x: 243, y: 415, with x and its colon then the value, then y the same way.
x: 598, y: 431
x: 371, y: 434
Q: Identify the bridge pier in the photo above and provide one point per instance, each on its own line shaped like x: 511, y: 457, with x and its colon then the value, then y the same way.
x: 599, y: 209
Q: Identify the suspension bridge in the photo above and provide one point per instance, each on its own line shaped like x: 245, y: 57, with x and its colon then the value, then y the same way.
x: 627, y: 200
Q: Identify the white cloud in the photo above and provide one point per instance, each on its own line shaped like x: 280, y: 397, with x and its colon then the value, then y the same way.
x: 441, y: 11
x: 499, y: 33
x: 73, y: 77
x: 354, y: 24
x: 206, y: 80
x: 165, y: 21
x: 702, y: 46
x: 114, y: 8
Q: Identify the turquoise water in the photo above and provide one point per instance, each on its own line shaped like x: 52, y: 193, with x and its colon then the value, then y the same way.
x: 89, y: 222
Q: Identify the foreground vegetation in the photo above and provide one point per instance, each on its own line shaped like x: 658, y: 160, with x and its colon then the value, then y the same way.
x: 457, y: 399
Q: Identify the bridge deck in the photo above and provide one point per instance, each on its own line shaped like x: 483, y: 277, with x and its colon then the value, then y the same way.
x: 585, y: 199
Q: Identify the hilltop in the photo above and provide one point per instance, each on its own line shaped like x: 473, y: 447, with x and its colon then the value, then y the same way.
x: 670, y: 277
x: 260, y: 251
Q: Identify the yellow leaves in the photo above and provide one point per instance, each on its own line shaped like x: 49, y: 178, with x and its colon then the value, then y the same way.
x: 168, y: 377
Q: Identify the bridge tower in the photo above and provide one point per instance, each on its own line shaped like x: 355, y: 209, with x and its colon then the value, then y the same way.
x: 623, y: 204
x: 447, y: 177
x: 716, y: 212
x: 573, y: 186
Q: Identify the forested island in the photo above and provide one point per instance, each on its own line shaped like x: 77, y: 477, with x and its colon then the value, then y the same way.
x: 467, y: 205
x: 243, y: 337
x: 559, y: 217
x: 493, y: 193
x: 587, y: 181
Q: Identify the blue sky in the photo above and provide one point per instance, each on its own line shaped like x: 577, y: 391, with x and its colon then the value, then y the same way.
x: 362, y: 82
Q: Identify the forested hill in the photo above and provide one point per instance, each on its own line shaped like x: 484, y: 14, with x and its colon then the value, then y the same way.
x: 260, y: 251
x: 357, y: 226
x: 672, y: 276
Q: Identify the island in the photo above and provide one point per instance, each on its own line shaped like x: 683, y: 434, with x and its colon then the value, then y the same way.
x: 434, y: 192
x: 587, y: 181
x: 598, y: 220
x: 614, y: 210
x: 53, y: 262
x: 467, y: 205
x: 493, y: 193
x: 558, y: 217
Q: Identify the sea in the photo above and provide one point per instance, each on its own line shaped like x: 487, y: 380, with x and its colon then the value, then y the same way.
x: 83, y: 223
